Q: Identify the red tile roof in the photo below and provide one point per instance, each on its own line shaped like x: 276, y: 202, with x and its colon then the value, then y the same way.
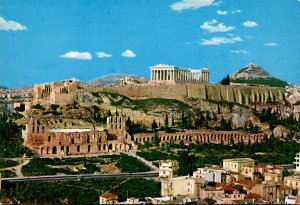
x: 253, y: 196
x: 263, y: 165
x: 108, y: 196
x: 228, y: 188
x: 246, y: 182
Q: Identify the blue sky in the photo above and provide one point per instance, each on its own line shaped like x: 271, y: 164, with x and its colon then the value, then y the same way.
x: 52, y: 40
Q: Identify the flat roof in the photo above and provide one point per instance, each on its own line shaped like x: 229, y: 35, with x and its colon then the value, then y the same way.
x: 68, y: 130
x: 238, y: 159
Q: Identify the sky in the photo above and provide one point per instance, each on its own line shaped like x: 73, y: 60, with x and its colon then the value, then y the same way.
x: 53, y: 40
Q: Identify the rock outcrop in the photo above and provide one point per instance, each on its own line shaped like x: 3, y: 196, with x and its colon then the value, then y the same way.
x: 250, y: 72
x: 245, y: 95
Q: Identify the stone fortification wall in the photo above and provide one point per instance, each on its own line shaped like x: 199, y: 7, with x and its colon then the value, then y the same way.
x: 201, y: 136
x: 238, y: 94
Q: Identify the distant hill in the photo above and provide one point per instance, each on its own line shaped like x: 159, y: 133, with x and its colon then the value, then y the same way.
x: 112, y: 79
x: 2, y: 87
x: 254, y: 74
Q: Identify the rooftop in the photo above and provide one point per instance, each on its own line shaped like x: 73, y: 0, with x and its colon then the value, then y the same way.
x: 246, y: 182
x: 238, y: 160
x: 108, y: 196
x: 69, y: 130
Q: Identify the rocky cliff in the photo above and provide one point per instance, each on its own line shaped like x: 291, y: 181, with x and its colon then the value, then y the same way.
x: 245, y: 95
x: 250, y: 72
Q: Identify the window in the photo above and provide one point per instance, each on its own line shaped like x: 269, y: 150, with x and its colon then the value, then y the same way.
x: 49, y: 138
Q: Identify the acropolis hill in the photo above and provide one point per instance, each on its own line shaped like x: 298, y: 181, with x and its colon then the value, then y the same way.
x: 176, y: 83
x: 168, y: 82
x: 245, y: 95
x: 61, y: 112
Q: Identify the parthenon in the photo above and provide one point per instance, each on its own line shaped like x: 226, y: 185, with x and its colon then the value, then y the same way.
x: 167, y: 74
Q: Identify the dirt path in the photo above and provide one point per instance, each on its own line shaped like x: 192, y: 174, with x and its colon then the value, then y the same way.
x: 17, y: 169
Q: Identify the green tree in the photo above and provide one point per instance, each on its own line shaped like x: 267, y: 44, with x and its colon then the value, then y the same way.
x: 173, y: 120
x: 154, y: 125
x: 183, y: 160
x: 156, y: 139
x: 166, y: 120
x: 225, y: 81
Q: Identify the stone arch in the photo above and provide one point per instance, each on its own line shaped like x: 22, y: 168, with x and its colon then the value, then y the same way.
x: 78, y: 149
x: 72, y: 139
x: 87, y: 138
x: 121, y: 147
x: 67, y: 150
x: 110, y: 147
x: 54, y: 150
x: 89, y: 149
x: 49, y: 138
x: 104, y: 147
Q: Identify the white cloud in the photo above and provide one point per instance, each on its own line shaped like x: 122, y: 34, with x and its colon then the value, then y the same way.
x: 190, y: 4
x: 249, y: 37
x: 239, y: 51
x: 220, y: 12
x: 77, y: 55
x: 10, y: 25
x: 220, y: 40
x: 213, y: 27
x: 128, y: 54
x: 103, y: 55
x: 218, y: 3
x: 250, y: 24
x: 236, y: 11
x: 272, y: 44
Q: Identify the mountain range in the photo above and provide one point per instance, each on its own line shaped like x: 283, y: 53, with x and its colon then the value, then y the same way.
x: 112, y: 79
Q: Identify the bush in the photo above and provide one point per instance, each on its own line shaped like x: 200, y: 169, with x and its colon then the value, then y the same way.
x: 7, y: 174
x: 7, y: 163
x: 131, y: 164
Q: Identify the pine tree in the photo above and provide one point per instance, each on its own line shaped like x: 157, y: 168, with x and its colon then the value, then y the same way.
x: 166, y: 120
x: 154, y: 125
x: 173, y: 120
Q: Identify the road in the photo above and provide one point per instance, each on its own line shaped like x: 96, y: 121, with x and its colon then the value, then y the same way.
x: 151, y: 174
x: 63, y: 177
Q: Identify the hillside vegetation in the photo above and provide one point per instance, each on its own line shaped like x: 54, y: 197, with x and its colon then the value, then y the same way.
x: 272, y: 82
x: 254, y: 74
x: 145, y: 105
